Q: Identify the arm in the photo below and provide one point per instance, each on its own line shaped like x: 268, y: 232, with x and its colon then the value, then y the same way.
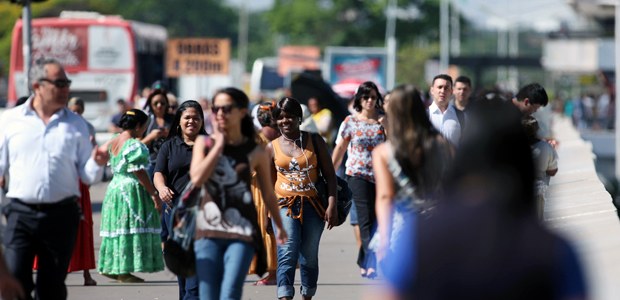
x: 145, y: 181
x: 383, y: 202
x: 327, y: 169
x: 165, y: 193
x: 338, y: 154
x: 260, y: 163
x: 203, y: 164
x: 271, y: 154
x: 161, y: 172
x: 90, y: 161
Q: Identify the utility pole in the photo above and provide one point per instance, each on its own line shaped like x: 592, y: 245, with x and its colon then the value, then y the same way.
x: 390, y: 44
x: 455, y: 32
x: 243, y: 36
x: 27, y: 40
x: 444, y: 36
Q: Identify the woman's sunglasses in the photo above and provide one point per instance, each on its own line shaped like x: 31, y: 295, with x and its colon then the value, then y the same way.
x: 225, y: 108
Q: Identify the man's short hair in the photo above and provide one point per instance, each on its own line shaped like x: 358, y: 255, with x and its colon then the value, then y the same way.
x: 463, y: 79
x: 121, y: 101
x: 37, y: 72
x: 534, y: 92
x: 445, y: 77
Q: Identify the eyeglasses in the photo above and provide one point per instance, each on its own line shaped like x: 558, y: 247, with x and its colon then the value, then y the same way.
x: 59, y: 83
x: 225, y: 108
x: 368, y: 97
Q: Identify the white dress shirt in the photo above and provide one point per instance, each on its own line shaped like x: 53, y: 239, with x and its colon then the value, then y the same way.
x: 45, y: 162
x: 446, y: 122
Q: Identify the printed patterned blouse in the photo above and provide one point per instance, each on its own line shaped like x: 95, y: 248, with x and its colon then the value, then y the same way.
x: 296, y: 177
x: 363, y: 137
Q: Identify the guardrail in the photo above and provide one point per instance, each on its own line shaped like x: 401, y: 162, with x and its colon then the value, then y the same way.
x: 579, y: 208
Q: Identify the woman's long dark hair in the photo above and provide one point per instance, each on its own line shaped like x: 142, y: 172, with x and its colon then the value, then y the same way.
x: 175, y: 128
x: 423, y: 154
x: 241, y: 101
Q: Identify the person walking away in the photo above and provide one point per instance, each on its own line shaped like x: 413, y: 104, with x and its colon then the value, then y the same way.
x: 130, y: 220
x: 361, y: 134
x: 484, y: 240
x: 172, y: 174
x: 227, y: 233
x: 407, y: 184
x: 545, y: 161
x: 296, y: 163
x: 45, y: 150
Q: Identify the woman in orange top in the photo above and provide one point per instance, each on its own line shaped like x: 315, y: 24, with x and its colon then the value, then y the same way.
x: 303, y: 213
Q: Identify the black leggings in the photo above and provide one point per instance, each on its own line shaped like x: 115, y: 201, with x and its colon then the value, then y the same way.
x: 364, y: 198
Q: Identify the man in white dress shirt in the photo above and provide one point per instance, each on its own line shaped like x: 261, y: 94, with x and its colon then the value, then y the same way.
x: 442, y: 114
x: 44, y: 150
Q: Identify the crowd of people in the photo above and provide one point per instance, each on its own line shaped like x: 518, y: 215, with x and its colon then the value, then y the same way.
x: 447, y: 195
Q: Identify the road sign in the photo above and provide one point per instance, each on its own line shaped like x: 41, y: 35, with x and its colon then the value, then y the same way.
x: 197, y: 56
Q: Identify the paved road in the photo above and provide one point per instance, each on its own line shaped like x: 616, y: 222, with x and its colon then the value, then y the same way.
x: 338, y: 277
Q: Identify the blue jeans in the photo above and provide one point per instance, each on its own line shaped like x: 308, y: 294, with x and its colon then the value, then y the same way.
x: 303, y: 244
x: 221, y: 267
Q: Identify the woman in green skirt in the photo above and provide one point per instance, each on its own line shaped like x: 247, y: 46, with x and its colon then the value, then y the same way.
x: 130, y: 216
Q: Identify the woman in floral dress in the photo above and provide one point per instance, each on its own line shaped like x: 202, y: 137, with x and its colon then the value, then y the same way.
x: 130, y: 221
x: 360, y: 135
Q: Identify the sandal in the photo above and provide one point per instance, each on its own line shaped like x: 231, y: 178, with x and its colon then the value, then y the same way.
x: 128, y: 278
x: 371, y: 274
x: 111, y: 276
x: 90, y: 282
x: 265, y: 281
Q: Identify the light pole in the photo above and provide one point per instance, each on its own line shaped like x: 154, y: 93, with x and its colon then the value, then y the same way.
x: 444, y: 36
x: 390, y: 45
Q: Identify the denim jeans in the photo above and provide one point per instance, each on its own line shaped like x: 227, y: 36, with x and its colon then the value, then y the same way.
x: 303, y: 245
x: 221, y: 267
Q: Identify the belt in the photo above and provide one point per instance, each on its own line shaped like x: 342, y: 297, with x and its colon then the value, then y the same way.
x: 47, y: 206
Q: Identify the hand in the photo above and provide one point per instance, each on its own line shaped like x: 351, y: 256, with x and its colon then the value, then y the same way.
x: 10, y: 288
x: 282, y: 236
x: 331, y: 215
x: 553, y: 142
x: 157, y: 202
x: 383, y: 249
x: 166, y: 195
x: 100, y: 155
x: 1, y: 182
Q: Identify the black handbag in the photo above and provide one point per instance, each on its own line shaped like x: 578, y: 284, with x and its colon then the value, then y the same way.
x: 343, y: 204
x: 179, y: 248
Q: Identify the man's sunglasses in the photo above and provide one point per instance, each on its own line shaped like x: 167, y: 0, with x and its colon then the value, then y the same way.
x: 59, y: 83
x: 225, y: 108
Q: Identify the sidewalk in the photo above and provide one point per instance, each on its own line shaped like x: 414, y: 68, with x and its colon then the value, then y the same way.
x: 338, y: 277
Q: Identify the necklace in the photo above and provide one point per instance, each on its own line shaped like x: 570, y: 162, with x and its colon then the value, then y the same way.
x: 293, y: 142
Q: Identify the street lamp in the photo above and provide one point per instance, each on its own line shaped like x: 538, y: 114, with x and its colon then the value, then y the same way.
x: 26, y: 35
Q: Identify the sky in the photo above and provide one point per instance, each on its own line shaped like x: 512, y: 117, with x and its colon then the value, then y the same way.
x: 542, y: 15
